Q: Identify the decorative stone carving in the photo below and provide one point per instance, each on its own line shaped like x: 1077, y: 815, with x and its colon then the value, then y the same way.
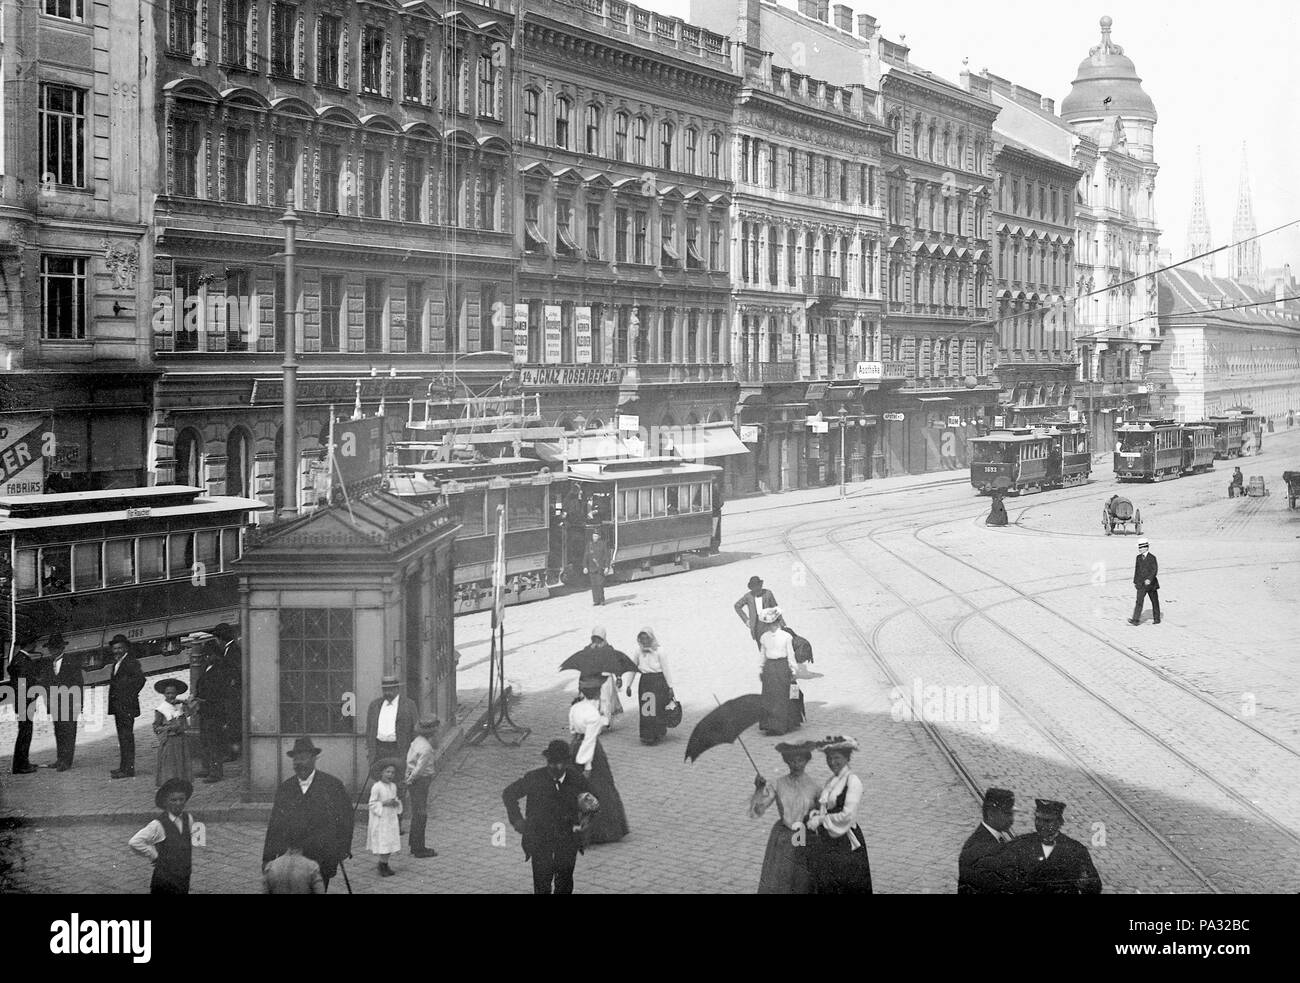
x: 122, y: 263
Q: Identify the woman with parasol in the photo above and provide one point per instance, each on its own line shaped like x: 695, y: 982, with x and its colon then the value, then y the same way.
x: 170, y: 726
x: 655, y: 690
x: 839, y: 851
x: 609, y: 823
x: 781, y: 713
x: 785, y: 863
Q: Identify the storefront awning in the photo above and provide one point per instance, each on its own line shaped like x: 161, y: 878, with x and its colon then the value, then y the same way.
x: 701, y: 442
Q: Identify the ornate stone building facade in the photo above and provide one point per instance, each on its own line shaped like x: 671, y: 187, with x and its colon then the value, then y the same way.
x: 623, y: 166
x: 388, y: 125
x: 74, y: 188
x: 809, y: 235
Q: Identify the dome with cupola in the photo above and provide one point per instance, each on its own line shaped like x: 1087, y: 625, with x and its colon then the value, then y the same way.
x: 1107, y: 84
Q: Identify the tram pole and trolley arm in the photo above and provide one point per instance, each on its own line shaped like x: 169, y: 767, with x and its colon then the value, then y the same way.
x: 289, y: 502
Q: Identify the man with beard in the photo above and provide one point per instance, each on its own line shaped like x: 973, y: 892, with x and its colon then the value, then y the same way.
x: 313, y: 809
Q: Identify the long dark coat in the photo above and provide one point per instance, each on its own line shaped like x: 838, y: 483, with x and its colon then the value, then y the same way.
x: 1069, y: 870
x: 323, y: 815
x: 1145, y: 569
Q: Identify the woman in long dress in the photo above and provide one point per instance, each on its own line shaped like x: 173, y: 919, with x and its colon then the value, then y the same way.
x: 655, y: 690
x: 839, y: 851
x: 786, y: 861
x: 609, y: 824
x: 781, y: 714
x: 171, y: 726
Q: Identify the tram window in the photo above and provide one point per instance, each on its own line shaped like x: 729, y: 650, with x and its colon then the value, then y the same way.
x: 643, y: 509
x: 180, y: 550
x: 625, y: 500
x: 88, y: 566
x: 672, y: 499
x: 659, y: 500
x: 231, y: 546
x: 25, y: 573
x: 706, y: 496
x: 526, y: 508
x: 152, y: 558
x: 208, y: 549
x: 471, y: 513
x: 56, y: 569
x: 119, y: 562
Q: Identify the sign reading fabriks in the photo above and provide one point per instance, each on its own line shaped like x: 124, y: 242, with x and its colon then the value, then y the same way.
x: 25, y: 443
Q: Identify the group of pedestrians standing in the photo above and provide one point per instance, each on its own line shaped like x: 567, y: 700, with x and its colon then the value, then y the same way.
x: 1046, y: 861
x: 60, y: 678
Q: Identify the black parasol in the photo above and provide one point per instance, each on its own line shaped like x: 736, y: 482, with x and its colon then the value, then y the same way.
x: 725, y: 724
x: 595, y: 661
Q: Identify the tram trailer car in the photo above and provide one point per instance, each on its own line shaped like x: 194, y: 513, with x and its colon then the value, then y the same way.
x: 1148, y: 450
x: 153, y: 564
x: 1198, y: 448
x: 1229, y: 432
x: 1012, y: 461
x: 654, y: 513
x: 1252, y: 442
x: 1074, y: 444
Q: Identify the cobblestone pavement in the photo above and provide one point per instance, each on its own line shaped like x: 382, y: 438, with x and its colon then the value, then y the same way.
x: 1133, y: 727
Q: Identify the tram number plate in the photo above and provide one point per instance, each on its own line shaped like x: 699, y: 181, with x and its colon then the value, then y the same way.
x: 990, y: 470
x: 134, y: 633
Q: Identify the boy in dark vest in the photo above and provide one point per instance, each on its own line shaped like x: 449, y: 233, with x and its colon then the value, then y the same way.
x: 166, y: 841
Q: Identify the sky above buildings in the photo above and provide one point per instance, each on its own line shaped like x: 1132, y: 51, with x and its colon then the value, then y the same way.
x: 1219, y: 74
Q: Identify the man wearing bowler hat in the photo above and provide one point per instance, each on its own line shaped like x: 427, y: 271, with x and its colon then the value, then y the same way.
x: 751, y: 603
x: 1047, y: 861
x: 981, y: 865
x: 126, y: 679
x: 550, y: 825
x: 27, y: 681
x: 312, y: 809
x: 1146, y: 582
x: 67, y: 690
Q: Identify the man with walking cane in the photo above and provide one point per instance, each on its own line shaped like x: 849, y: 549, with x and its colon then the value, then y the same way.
x: 311, y: 808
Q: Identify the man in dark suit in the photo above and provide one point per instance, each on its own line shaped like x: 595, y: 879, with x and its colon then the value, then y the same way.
x: 753, y: 601
x: 1049, y: 862
x: 595, y: 563
x: 26, y: 674
x: 312, y: 809
x: 1146, y: 582
x: 65, y: 698
x: 232, y: 661
x: 981, y: 866
x: 390, y: 723
x: 549, y: 826
x: 125, y: 682
x: 212, y: 689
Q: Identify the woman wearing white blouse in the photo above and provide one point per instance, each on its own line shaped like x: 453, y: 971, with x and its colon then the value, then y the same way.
x: 609, y: 824
x: 781, y: 713
x: 839, y: 851
x: 655, y: 690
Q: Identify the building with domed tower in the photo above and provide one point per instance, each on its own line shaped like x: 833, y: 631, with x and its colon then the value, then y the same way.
x: 1118, y: 238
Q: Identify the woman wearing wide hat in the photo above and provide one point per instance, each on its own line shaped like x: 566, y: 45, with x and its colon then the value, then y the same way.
x: 781, y: 712
x: 786, y: 860
x: 839, y: 850
x: 166, y: 841
x: 171, y: 726
x: 609, y: 825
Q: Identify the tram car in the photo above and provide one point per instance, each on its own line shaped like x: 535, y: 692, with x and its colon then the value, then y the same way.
x: 1229, y: 432
x: 153, y: 564
x: 1198, y: 448
x: 1252, y: 438
x: 1015, y: 461
x: 1074, y: 444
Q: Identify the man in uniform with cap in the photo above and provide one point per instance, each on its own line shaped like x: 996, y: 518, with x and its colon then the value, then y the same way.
x: 1146, y: 582
x: 1049, y: 862
x: 550, y: 824
x: 981, y: 866
x: 312, y: 809
x: 67, y: 690
x: 753, y: 601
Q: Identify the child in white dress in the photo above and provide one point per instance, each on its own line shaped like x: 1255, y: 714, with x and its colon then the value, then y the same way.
x: 384, y: 834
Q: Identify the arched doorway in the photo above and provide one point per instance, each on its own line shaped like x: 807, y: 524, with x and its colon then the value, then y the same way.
x: 189, y: 458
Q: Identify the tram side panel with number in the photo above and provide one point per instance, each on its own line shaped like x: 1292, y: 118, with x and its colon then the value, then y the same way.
x: 153, y: 564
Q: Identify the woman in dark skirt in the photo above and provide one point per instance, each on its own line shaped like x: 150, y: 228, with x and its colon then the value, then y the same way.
x: 781, y: 713
x: 609, y: 824
x: 839, y: 850
x: 655, y: 690
x: 785, y: 862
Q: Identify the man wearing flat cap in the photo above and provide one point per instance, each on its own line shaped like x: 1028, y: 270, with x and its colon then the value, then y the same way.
x: 552, y: 820
x: 1047, y: 861
x: 312, y: 809
x: 981, y: 867
x: 1147, y: 584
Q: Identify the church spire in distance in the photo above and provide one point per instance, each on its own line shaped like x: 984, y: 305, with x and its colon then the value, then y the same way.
x: 1199, y: 240
x: 1247, y: 264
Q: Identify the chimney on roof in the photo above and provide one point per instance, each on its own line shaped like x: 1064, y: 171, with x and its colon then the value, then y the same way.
x: 1048, y: 105
x: 866, y: 25
x: 843, y: 17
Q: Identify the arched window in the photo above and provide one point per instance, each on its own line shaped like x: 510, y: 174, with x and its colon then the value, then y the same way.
x: 666, y: 133
x: 531, y: 115
x: 562, y: 107
x: 239, y: 462
x: 640, y: 132
x: 692, y: 149
x: 620, y: 135
x: 715, y: 155
x: 896, y: 124
x: 593, y: 129
x: 189, y: 459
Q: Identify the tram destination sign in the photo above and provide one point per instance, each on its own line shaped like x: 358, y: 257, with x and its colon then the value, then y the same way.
x: 892, y: 417
x: 572, y: 375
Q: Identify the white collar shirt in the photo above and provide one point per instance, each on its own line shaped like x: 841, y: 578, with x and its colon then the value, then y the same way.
x: 305, y: 783
x: 386, y: 728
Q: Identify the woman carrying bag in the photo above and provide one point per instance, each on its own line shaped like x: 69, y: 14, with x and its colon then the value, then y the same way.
x: 655, y: 691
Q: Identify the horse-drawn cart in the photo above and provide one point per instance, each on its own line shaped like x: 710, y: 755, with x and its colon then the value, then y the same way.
x: 1116, y: 515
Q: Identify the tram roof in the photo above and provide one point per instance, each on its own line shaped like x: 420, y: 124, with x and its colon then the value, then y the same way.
x: 119, y: 505
x: 1011, y: 437
x: 643, y: 467
x: 1146, y: 425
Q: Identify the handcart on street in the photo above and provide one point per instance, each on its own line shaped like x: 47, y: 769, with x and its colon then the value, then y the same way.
x: 1116, y: 515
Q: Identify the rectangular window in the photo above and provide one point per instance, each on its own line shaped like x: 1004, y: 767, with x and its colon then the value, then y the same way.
x: 286, y: 169
x: 376, y: 296
x: 744, y: 158
x: 187, y: 305
x: 530, y: 116
x: 639, y: 141
x: 208, y: 545
x: 373, y: 201
x: 715, y: 155
x: 659, y: 500
x: 329, y: 177
x: 471, y: 512
x: 63, y: 134
x: 456, y: 315
x: 372, y: 59
x: 643, y: 503
x: 452, y: 177
x: 692, y: 149
x: 331, y: 312
x: 73, y: 10
x: 185, y: 152
x: 87, y: 566
x: 63, y: 297
x: 593, y: 232
x: 239, y: 310
x: 668, y: 243
x: 413, y: 69
x: 284, y: 33
x: 620, y: 235
x: 316, y: 670
x: 119, y: 562
x: 454, y: 95
x: 237, y: 166
x: 152, y: 554
x: 487, y: 86
x: 182, y: 20
x: 328, y: 30
x: 525, y: 508
x: 56, y: 569
x: 620, y: 136
x: 413, y: 193
x: 414, y: 316
x: 487, y: 199
x: 488, y: 309
x: 715, y: 246
x: 534, y: 241
x: 234, y: 33
x: 232, y: 547
x: 639, y: 238
x: 565, y: 243
x: 562, y: 106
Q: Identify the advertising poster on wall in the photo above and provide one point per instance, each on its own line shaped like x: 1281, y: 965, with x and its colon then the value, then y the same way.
x: 582, y: 325
x: 521, y: 334
x: 554, y: 348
